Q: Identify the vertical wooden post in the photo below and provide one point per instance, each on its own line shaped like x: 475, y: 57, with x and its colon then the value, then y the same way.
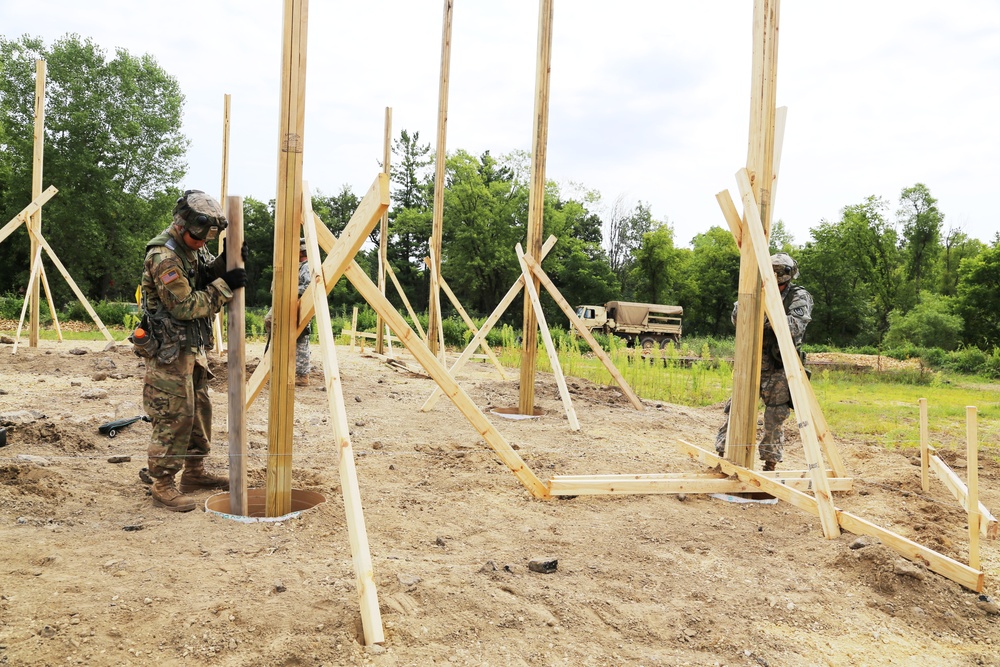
x: 742, y: 438
x: 236, y: 366
x: 383, y: 233
x: 288, y: 219
x: 35, y: 221
x: 223, y: 193
x: 972, y: 467
x: 536, y: 201
x: 354, y: 325
x: 925, y: 455
x: 437, y: 224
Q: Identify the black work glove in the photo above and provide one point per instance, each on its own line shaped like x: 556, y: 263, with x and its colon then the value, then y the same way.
x: 244, y: 252
x: 235, y: 278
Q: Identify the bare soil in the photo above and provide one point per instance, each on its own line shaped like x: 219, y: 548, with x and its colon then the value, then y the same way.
x: 92, y: 573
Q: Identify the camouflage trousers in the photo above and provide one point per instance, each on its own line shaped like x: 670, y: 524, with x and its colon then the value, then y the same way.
x: 777, y: 406
x: 302, y: 366
x: 175, y: 396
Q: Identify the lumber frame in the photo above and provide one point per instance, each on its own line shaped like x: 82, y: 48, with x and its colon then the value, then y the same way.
x: 947, y: 567
x: 434, y: 368
x: 794, y: 372
x: 236, y: 366
x: 673, y: 483
x: 741, y: 440
x: 27, y: 212
x: 529, y: 287
x: 287, y: 220
x: 35, y: 223
x: 575, y: 321
x: 988, y: 525
x: 383, y: 231
x: 536, y: 200
x: 364, y: 572
x: 488, y: 325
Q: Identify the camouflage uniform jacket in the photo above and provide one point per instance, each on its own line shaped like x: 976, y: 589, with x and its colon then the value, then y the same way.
x: 186, y: 284
x: 798, y: 303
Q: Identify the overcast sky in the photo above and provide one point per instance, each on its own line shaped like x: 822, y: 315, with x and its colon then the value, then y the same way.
x: 649, y: 99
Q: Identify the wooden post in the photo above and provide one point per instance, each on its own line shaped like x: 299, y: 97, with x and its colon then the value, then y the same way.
x: 36, y: 189
x: 972, y: 467
x: 354, y: 325
x: 800, y: 396
x: 436, y: 290
x: 224, y: 191
x: 288, y: 218
x: 236, y: 366
x: 536, y: 200
x: 742, y: 438
x: 371, y: 618
x: 36, y: 262
x: 383, y: 233
x: 925, y: 455
x: 437, y: 223
x: 52, y: 304
x: 529, y: 288
x: 406, y: 302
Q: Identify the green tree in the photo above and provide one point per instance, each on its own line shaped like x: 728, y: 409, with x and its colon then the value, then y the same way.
x: 931, y: 323
x: 957, y: 245
x: 922, y: 222
x: 710, y: 280
x: 625, y: 229
x: 979, y: 298
x: 870, y: 241
x: 656, y: 266
x: 113, y: 147
x: 781, y: 240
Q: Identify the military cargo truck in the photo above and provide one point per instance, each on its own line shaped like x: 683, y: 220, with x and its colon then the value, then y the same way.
x: 645, y: 325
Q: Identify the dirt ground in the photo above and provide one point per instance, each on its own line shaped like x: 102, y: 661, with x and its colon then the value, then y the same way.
x: 92, y: 573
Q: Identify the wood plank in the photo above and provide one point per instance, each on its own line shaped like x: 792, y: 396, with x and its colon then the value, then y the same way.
x: 27, y: 211
x: 223, y: 199
x: 354, y: 325
x: 488, y: 325
x: 236, y: 366
x: 529, y: 287
x: 989, y: 527
x: 406, y: 302
x: 383, y: 227
x: 793, y: 372
x: 52, y: 304
x: 36, y: 264
x: 925, y: 482
x: 943, y: 565
x: 364, y: 571
x: 668, y: 484
x: 972, y: 470
x: 536, y: 200
x: 38, y: 152
x: 575, y: 321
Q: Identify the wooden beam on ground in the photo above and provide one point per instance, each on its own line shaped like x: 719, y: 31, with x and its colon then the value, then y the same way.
x: 562, y: 485
x: 27, y: 212
x: 793, y: 371
x: 36, y: 189
x: 536, y: 200
x: 73, y: 286
x: 364, y: 571
x: 287, y: 221
x: 383, y: 228
x: 575, y: 321
x: 947, y: 567
x: 236, y: 366
x: 488, y: 325
x: 406, y: 302
x: 529, y: 287
x: 989, y: 527
x: 487, y: 350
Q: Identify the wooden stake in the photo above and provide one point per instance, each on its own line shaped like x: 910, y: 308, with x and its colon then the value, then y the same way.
x: 52, y: 305
x: 972, y: 467
x: 36, y: 263
x: 529, y: 287
x: 584, y: 331
x: 488, y: 325
x: 224, y: 190
x: 288, y: 219
x: 536, y: 200
x: 354, y: 325
x: 364, y: 572
x: 800, y: 397
x: 383, y: 233
x: 36, y: 190
x: 741, y: 442
x: 989, y: 527
x: 437, y: 224
x: 406, y: 302
x: 925, y: 457
x: 236, y: 366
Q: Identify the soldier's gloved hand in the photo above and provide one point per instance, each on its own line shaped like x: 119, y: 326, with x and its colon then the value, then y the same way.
x: 235, y: 278
x: 244, y: 252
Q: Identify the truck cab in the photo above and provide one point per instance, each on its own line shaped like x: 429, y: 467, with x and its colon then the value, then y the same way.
x: 593, y: 316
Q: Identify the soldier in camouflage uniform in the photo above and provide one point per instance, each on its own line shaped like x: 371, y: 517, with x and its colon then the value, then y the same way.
x: 183, y: 287
x: 302, y: 364
x: 774, y: 390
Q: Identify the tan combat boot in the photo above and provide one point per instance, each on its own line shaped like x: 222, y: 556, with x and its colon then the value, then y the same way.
x: 194, y: 478
x: 166, y: 494
x: 301, y: 380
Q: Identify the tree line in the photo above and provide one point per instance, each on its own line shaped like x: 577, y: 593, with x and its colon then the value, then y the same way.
x: 115, y: 150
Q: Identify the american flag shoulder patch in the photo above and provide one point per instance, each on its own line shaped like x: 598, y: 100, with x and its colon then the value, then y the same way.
x: 169, y: 276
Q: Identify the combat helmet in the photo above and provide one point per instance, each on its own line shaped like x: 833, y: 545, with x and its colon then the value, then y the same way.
x: 785, y: 268
x: 200, y: 215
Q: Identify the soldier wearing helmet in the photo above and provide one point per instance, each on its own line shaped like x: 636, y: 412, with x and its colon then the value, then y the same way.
x: 302, y: 356
x: 774, y: 390
x: 183, y: 287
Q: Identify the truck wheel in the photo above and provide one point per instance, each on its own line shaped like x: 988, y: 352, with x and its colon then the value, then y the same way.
x: 666, y: 341
x: 648, y: 343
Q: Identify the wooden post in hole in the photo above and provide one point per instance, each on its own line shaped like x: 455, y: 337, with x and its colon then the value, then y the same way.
x: 35, y: 222
x: 223, y: 193
x: 925, y: 454
x: 972, y: 467
x: 236, y: 365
